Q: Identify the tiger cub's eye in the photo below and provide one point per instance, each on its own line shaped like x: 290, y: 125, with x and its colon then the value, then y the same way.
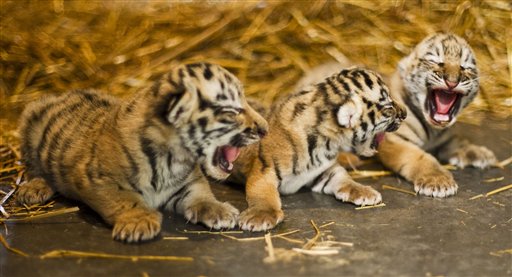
x: 388, y: 111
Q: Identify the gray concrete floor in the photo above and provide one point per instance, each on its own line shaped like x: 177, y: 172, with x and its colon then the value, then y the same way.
x: 410, y: 236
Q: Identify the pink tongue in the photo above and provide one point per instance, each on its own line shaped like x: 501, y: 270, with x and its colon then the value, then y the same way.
x: 379, y: 137
x: 444, y: 101
x: 230, y: 153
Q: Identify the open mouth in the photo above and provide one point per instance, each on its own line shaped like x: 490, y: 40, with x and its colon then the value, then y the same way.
x: 225, y: 156
x: 443, y: 105
x: 379, y: 137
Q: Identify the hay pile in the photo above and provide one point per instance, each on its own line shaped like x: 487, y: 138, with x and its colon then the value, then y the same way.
x: 119, y: 46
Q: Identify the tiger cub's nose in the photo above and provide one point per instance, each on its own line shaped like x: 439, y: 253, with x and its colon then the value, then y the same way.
x: 401, y: 112
x: 261, y: 130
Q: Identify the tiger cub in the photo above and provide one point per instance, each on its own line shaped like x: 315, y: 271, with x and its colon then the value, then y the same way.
x: 158, y: 149
x: 307, y: 130
x: 436, y: 82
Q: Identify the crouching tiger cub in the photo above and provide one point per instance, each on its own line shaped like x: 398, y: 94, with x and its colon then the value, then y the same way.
x: 126, y: 159
x: 436, y: 81
x: 307, y: 130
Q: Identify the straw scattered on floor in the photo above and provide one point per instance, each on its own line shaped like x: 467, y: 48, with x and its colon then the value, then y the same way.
x: 501, y: 253
x: 11, y: 249
x: 492, y: 180
x: 98, y: 255
x: 371, y: 206
x: 399, y: 190
x: 498, y: 190
x: 40, y: 216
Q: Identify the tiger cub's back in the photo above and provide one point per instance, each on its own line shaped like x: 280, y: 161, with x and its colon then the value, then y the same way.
x: 53, y: 129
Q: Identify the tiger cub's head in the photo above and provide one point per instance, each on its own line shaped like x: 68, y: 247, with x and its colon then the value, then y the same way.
x: 441, y: 78
x: 206, y: 105
x: 368, y: 112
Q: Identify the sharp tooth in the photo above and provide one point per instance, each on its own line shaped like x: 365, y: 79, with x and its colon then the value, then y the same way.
x: 441, y: 117
x: 230, y: 166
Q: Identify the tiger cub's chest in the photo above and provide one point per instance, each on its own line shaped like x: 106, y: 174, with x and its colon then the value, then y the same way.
x: 166, y: 180
x: 293, y: 182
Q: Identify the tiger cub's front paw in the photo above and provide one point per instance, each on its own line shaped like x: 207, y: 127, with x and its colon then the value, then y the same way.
x: 358, y: 194
x: 35, y: 191
x: 436, y: 184
x: 213, y: 214
x: 260, y: 219
x: 137, y: 225
x: 473, y: 155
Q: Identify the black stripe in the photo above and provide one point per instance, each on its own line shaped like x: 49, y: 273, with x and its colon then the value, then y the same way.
x: 298, y: 109
x: 55, y: 143
x: 36, y: 116
x: 228, y: 78
x: 131, y: 105
x: 50, y: 123
x: 203, y: 103
x: 221, y: 96
x: 364, y: 126
x: 231, y: 94
x: 89, y: 165
x: 341, y: 80
x: 152, y: 157
x: 321, y: 114
x: 327, y: 181
x: 264, y: 163
x: 95, y: 98
x: 312, y: 141
x: 58, y: 137
x: 181, y: 74
x: 191, y: 72
x: 222, y: 131
x: 402, y: 137
x: 328, y: 145
x: 353, y: 142
x: 182, y: 198
x: 356, y: 83
x: 134, y: 168
x: 367, y: 80
x: 66, y: 146
x: 237, y: 140
x: 180, y: 195
x: 419, y: 115
x: 371, y: 115
x: 172, y: 82
x: 203, y: 121
x: 295, y: 157
x: 207, y: 73
x: 174, y: 197
x: 278, y: 170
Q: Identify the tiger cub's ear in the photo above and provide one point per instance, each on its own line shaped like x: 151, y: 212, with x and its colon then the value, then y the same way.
x: 180, y: 100
x: 349, y: 114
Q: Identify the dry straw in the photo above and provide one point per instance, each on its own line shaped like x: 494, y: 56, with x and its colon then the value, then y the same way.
x: 49, y: 47
x: 119, y: 46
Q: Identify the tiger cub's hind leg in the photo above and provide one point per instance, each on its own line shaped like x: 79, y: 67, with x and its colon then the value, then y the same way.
x: 336, y: 181
x: 35, y: 191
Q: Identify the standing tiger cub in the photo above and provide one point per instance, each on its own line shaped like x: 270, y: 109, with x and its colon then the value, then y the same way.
x: 307, y: 130
x: 436, y: 81
x: 126, y: 159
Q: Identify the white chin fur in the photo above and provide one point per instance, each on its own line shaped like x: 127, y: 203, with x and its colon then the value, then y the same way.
x: 366, y: 152
x: 215, y: 172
